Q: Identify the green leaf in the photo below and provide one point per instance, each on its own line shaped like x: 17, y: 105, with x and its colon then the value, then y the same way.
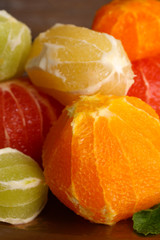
x: 147, y: 221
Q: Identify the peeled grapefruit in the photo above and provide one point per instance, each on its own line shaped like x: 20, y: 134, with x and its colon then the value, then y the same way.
x: 25, y: 117
x: 147, y: 81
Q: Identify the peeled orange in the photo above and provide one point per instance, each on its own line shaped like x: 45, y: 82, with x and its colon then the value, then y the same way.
x: 68, y: 61
x: 135, y: 22
x: 102, y: 158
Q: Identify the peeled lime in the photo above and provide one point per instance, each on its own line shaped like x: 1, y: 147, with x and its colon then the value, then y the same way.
x: 15, y: 43
x: 23, y: 191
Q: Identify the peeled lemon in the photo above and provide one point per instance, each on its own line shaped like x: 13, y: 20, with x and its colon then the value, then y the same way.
x: 15, y: 43
x: 23, y: 191
x: 68, y: 61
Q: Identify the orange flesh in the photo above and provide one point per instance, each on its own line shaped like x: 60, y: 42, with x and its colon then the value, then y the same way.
x: 137, y: 148
x: 87, y: 189
x: 113, y: 170
x: 102, y: 158
x: 133, y: 23
x: 61, y: 156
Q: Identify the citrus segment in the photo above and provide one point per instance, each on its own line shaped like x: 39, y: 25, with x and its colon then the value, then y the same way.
x: 57, y: 167
x: 112, y: 162
x: 89, y: 194
x: 104, y: 164
x: 133, y: 149
x: 68, y: 61
x: 135, y: 22
x: 15, y: 38
x: 143, y: 124
x: 23, y: 191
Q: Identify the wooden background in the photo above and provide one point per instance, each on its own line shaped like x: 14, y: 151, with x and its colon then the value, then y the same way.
x: 42, y: 14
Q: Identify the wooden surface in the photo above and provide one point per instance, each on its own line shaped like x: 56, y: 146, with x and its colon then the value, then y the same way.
x: 41, y: 14
x: 57, y: 222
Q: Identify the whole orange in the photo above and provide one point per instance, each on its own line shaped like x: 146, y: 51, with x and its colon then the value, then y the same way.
x: 102, y: 157
x: 135, y: 22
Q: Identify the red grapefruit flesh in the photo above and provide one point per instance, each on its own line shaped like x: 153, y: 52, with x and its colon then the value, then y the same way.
x: 147, y: 81
x: 25, y: 117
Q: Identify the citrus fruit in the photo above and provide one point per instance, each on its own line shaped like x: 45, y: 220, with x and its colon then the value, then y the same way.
x: 15, y: 38
x: 68, y: 61
x: 25, y: 117
x: 23, y: 191
x: 135, y: 22
x: 147, y: 81
x: 102, y: 157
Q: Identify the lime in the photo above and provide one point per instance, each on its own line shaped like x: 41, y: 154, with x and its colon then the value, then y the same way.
x: 15, y: 38
x: 23, y: 191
